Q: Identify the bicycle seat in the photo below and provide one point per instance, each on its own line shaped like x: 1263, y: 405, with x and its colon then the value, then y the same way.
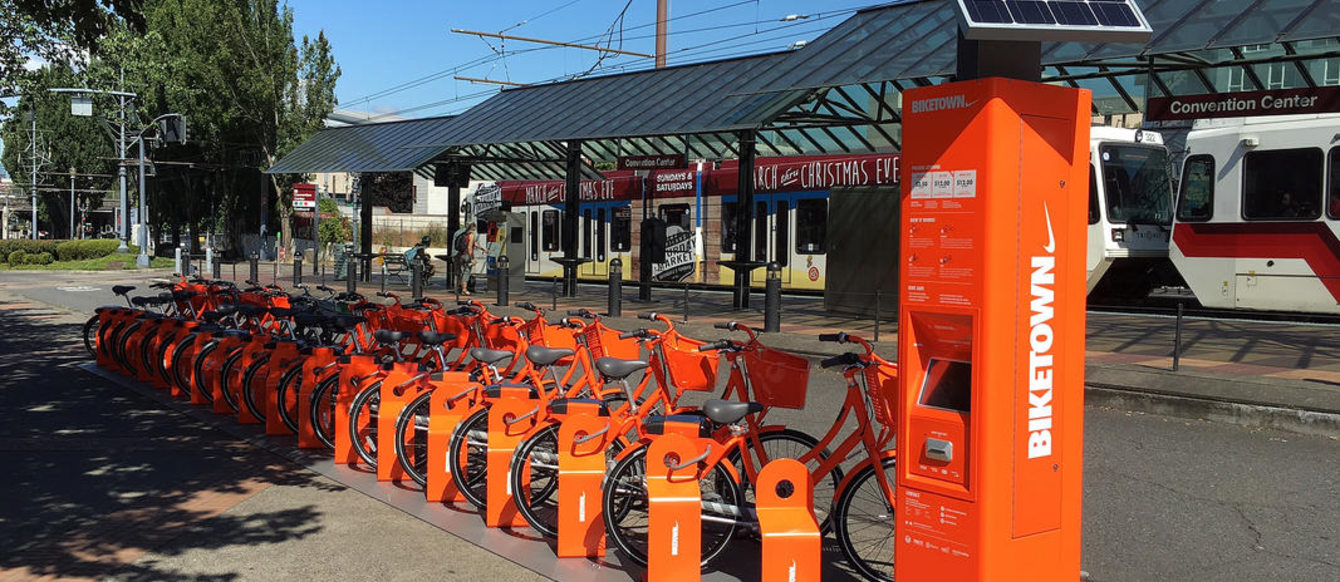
x: 560, y: 405
x: 346, y: 323
x: 122, y: 289
x: 224, y: 310
x: 729, y: 411
x: 488, y: 356
x: 310, y: 320
x: 387, y: 337
x: 542, y: 356
x: 656, y: 424
x: 616, y: 369
x: 139, y: 301
x: 183, y: 295
x: 250, y: 310
x: 495, y: 391
x: 281, y: 312
x: 435, y: 338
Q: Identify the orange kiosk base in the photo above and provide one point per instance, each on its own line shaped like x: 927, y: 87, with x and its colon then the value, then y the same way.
x: 991, y: 335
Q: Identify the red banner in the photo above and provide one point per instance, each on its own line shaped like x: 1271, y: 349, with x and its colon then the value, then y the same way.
x: 1245, y: 104
x: 520, y: 193
x: 796, y: 174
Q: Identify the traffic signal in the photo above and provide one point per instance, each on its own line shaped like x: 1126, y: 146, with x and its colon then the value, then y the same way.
x: 172, y: 129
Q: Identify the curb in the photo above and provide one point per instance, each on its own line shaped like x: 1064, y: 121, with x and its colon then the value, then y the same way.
x: 1308, y: 422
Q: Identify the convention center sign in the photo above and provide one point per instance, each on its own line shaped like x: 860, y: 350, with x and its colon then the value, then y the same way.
x: 1310, y: 100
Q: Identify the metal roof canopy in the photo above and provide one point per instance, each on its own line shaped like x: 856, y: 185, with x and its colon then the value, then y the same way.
x: 838, y: 94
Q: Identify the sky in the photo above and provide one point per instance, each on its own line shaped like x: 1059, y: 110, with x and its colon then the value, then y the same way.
x: 399, y: 57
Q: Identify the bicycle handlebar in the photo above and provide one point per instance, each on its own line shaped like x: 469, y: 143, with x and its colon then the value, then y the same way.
x: 647, y: 316
x: 716, y: 345
x: 635, y: 333
x: 726, y: 325
x: 527, y: 305
x: 840, y: 337
x: 846, y: 359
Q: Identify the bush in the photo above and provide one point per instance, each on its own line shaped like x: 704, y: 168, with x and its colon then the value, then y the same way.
x: 39, y: 259
x: 437, y: 234
x: 16, y: 258
x: 28, y: 246
x: 335, y: 231
x: 79, y: 250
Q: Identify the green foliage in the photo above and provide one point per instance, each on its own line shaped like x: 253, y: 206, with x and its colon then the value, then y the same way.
x: 327, y: 205
x: 335, y: 231
x: 27, y: 246
x: 47, y: 29
x: 78, y: 250
x: 437, y: 235
x: 16, y: 258
x: 39, y: 259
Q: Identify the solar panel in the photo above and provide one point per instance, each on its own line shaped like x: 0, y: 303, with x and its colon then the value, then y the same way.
x: 1053, y: 20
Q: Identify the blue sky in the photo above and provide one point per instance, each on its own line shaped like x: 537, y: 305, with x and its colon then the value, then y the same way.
x: 382, y: 45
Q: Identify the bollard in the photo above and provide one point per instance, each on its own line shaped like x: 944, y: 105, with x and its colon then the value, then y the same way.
x: 674, y: 513
x: 504, y: 280
x: 274, y: 272
x: 383, y: 275
x: 297, y: 267
x: 553, y: 290
x: 583, y: 437
x: 351, y: 276
x: 686, y: 302
x: 792, y: 545
x: 176, y: 261
x: 772, y: 299
x: 209, y: 260
x: 511, y: 418
x: 615, y: 307
x: 416, y: 279
x: 255, y: 266
x: 1177, y: 340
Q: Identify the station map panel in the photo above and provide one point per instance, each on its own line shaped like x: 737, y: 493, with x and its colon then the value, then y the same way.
x: 1053, y: 20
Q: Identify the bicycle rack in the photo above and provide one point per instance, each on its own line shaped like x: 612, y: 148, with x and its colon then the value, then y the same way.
x: 401, y: 375
x: 450, y: 404
x: 583, y: 437
x: 254, y: 351
x: 674, y: 516
x: 284, y: 354
x: 792, y: 545
x: 179, y: 331
x: 320, y: 365
x: 511, y: 418
x: 355, y: 366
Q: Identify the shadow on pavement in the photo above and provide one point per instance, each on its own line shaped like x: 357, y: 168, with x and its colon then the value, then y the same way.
x: 99, y: 476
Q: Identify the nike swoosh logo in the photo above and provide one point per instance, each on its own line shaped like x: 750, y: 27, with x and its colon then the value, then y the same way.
x: 1051, y: 236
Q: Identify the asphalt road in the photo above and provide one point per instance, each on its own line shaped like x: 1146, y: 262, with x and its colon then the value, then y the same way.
x: 110, y: 484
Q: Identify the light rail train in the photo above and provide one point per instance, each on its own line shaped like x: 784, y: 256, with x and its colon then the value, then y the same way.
x: 799, y: 216
x: 1258, y: 213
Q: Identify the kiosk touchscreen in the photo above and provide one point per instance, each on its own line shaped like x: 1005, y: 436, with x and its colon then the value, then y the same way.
x: 991, y: 334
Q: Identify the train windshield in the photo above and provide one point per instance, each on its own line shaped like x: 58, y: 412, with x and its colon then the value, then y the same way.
x: 1136, y: 184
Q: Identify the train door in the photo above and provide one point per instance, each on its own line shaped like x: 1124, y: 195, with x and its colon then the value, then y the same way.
x: 598, y: 239
x: 775, y: 237
x: 543, y: 240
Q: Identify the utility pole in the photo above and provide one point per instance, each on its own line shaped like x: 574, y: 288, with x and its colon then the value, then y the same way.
x: 33, y: 185
x: 662, y: 30
x: 124, y: 223
x: 72, y: 204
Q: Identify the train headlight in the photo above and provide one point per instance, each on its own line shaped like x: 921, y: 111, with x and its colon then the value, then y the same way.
x: 1118, y: 235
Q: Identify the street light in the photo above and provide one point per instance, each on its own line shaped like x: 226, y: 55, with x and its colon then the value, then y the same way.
x: 174, y: 132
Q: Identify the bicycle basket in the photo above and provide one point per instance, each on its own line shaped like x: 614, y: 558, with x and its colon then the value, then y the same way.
x: 501, y: 337
x: 550, y: 336
x: 779, y: 379
x: 688, y: 368
x: 604, y: 342
x: 881, y: 385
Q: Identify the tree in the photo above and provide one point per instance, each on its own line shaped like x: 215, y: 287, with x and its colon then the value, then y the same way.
x: 54, y: 30
x: 64, y: 142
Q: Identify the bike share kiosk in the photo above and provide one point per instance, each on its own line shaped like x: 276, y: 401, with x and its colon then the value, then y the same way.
x: 991, y: 326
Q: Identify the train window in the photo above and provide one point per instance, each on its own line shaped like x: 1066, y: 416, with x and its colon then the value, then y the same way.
x: 1095, y: 212
x: 812, y: 226
x: 621, y: 222
x: 534, y: 236
x: 1196, y: 203
x: 782, y: 251
x: 1282, y: 184
x: 728, y: 227
x: 586, y: 233
x: 676, y: 215
x: 549, y: 234
x: 760, y: 231
x: 1333, y: 198
x: 600, y: 234
x: 1136, y: 184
